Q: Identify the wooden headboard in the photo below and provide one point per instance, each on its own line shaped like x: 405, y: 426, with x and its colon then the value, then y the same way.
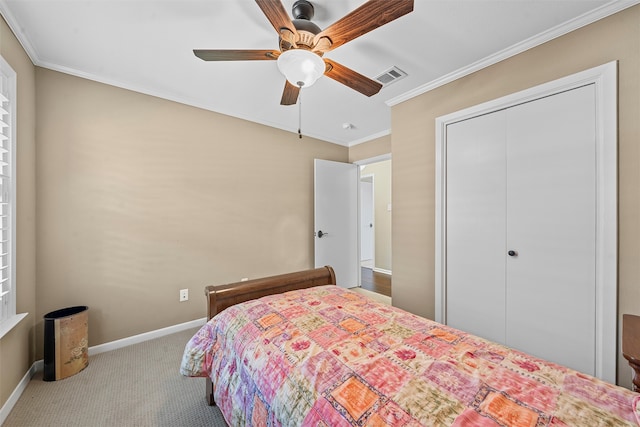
x: 222, y: 296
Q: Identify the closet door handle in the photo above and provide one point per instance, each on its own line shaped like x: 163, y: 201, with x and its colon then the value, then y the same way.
x: 512, y: 253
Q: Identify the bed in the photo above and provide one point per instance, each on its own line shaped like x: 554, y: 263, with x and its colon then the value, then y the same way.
x: 307, y: 352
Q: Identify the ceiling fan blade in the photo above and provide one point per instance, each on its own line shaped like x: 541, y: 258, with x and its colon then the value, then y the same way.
x: 354, y: 80
x: 276, y: 14
x: 368, y: 17
x: 235, y: 55
x: 290, y: 94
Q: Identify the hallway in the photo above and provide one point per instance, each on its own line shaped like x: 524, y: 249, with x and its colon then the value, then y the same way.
x: 376, y: 282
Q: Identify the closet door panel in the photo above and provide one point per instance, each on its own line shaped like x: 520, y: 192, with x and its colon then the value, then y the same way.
x: 551, y: 223
x: 475, y: 213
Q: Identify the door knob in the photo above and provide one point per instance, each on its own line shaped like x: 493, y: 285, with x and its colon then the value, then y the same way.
x: 512, y: 253
x: 320, y: 234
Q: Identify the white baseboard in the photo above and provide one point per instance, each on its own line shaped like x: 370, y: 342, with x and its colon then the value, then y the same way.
x: 38, y: 365
x: 125, y: 342
x: 17, y: 392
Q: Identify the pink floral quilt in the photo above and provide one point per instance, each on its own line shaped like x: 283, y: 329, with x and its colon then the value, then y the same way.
x: 327, y: 356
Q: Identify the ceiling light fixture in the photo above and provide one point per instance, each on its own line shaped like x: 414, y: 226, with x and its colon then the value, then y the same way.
x: 301, y: 67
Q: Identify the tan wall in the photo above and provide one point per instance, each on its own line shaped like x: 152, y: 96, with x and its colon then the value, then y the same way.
x: 413, y: 141
x: 381, y: 172
x: 17, y: 348
x: 139, y: 197
x: 370, y: 149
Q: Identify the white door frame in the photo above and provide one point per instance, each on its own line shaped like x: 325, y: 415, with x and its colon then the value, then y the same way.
x: 376, y: 159
x: 370, y: 160
x: 605, y: 79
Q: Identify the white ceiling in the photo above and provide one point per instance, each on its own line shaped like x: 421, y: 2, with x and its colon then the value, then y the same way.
x: 146, y: 46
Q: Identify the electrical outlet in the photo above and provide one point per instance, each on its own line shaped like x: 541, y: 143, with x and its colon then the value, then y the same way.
x: 184, y: 295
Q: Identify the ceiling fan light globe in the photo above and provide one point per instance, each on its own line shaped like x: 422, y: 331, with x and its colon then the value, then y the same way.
x: 301, y: 67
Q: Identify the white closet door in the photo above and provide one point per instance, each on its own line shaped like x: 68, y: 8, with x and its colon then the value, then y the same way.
x: 551, y: 224
x: 476, y: 214
x: 523, y: 180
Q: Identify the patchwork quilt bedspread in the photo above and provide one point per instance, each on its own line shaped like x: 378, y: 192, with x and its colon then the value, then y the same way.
x: 327, y: 356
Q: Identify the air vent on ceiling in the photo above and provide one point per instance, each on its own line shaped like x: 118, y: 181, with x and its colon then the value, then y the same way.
x: 392, y: 75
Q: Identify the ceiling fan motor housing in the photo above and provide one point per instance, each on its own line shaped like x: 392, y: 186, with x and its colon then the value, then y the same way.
x: 302, y: 12
x: 302, y: 9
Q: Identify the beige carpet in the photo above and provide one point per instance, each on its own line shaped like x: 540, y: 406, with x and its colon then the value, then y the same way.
x: 134, y: 386
x: 373, y: 295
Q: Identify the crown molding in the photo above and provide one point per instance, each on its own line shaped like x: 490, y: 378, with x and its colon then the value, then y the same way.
x: 571, y: 25
x: 180, y: 100
x: 370, y: 137
x: 5, y: 11
x: 553, y: 33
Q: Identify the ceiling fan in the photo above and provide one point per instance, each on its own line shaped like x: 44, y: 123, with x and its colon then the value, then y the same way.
x: 303, y: 43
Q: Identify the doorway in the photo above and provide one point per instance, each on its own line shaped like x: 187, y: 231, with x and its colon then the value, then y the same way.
x: 375, y: 224
x: 336, y: 223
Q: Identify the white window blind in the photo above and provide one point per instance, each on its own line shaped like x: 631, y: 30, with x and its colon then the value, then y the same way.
x: 7, y: 192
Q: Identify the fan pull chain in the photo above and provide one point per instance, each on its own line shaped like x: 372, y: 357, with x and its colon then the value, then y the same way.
x: 300, y: 110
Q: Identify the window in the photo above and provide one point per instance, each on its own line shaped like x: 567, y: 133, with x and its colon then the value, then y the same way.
x: 8, y: 316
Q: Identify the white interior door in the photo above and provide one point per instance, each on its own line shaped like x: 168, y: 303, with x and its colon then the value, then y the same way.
x: 336, y: 220
x: 551, y: 223
x: 367, y: 234
x: 476, y: 233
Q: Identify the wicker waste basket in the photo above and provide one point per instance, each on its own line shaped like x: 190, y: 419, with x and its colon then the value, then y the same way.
x: 66, y: 342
